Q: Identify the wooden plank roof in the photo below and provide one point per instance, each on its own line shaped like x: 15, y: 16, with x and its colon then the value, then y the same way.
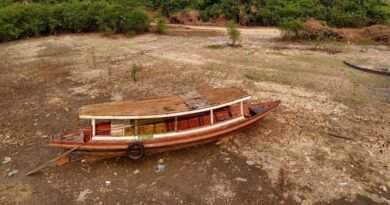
x: 165, y: 106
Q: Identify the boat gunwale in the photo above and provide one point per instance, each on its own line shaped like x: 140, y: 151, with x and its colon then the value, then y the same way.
x: 180, y: 133
x: 177, y: 114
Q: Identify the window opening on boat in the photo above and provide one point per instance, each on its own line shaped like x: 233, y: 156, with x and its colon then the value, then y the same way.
x: 122, y: 127
x: 206, y: 118
x: 152, y: 126
x: 101, y: 127
x: 192, y: 121
x: 133, y: 127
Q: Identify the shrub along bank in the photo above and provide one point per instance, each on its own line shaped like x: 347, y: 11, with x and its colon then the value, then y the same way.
x: 40, y: 19
x: 336, y: 13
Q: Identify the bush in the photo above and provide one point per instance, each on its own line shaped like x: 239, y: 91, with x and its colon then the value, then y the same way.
x: 161, y: 27
x: 345, y: 13
x: 137, y: 21
x: 230, y: 9
x: 34, y: 19
x: 291, y: 27
x: 233, y: 32
x: 169, y: 7
x: 210, y: 12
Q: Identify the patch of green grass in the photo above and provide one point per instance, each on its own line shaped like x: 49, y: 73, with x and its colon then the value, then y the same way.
x: 278, y: 53
x: 192, y: 33
x: 312, y: 60
x: 368, y: 79
x: 367, y: 41
x: 360, y: 61
x: 134, y: 70
x: 161, y: 26
x: 258, y: 76
x: 316, y: 64
x: 215, y: 46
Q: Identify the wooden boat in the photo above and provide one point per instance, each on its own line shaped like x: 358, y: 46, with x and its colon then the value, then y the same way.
x: 163, y: 123
x: 369, y: 70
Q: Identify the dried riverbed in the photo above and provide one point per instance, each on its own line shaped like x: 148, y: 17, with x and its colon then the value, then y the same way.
x: 328, y: 143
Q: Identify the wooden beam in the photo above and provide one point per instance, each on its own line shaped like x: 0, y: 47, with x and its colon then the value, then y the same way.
x: 135, y: 127
x: 93, y: 128
x: 242, y: 108
x: 51, y: 161
x: 211, y: 117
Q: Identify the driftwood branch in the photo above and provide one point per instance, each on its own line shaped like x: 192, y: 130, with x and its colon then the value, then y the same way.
x: 341, y: 137
x: 51, y: 161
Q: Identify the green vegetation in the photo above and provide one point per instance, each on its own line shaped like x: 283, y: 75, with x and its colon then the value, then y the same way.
x: 255, y: 76
x: 134, y: 70
x: 343, y: 13
x: 215, y: 46
x: 291, y: 27
x: 233, y: 32
x: 19, y: 19
x: 40, y: 19
x: 161, y: 27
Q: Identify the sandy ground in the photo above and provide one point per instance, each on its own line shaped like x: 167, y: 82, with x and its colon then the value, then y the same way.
x: 328, y: 142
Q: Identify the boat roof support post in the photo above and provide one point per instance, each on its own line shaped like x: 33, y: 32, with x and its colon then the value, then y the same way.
x: 135, y: 126
x: 242, y: 108
x: 211, y: 117
x: 93, y: 127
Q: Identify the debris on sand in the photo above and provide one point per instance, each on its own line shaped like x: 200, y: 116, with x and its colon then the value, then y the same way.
x: 136, y: 171
x: 12, y: 173
x: 51, y: 161
x: 343, y: 183
x: 108, y: 183
x: 6, y: 160
x: 383, y: 187
x: 83, y: 195
x: 240, y: 179
x: 63, y: 160
x: 160, y: 168
x: 297, y: 199
x: 250, y: 163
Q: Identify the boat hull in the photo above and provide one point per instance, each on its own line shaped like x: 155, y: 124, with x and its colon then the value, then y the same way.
x: 176, y: 142
x: 367, y: 69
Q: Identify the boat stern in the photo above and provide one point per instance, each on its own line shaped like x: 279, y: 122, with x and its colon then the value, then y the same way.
x: 68, y: 137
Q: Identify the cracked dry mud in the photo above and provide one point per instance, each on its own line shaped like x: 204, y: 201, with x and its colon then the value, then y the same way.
x: 328, y: 142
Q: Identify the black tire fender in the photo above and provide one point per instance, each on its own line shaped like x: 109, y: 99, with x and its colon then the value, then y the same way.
x: 135, y: 146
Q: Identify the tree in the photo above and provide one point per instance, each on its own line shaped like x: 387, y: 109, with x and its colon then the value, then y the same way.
x: 233, y: 32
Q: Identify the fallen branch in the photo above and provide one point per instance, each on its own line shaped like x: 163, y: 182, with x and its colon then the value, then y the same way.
x: 51, y: 161
x: 341, y: 137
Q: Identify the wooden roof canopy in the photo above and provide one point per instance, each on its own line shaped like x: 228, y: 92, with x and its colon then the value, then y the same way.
x: 165, y: 106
